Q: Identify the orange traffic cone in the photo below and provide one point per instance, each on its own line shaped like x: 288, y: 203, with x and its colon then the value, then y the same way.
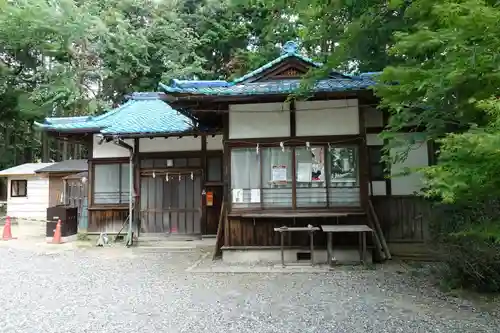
x: 7, y: 231
x: 57, y: 234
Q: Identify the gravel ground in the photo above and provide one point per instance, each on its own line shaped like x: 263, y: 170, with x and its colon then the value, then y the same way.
x: 119, y: 290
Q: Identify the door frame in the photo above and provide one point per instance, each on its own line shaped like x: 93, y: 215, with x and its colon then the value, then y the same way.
x: 173, y: 173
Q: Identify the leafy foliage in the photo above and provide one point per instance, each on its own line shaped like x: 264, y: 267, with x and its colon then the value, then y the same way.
x: 447, y: 85
x: 449, y: 66
x: 70, y: 52
x: 80, y: 57
x: 239, y: 35
x: 468, y: 237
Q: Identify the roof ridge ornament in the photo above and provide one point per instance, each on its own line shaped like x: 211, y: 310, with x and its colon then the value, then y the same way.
x: 290, y: 47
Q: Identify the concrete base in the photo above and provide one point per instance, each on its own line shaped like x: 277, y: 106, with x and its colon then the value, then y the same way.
x: 66, y: 239
x: 176, y: 244
x: 253, y: 255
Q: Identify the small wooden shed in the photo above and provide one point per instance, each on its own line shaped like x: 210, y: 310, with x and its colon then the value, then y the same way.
x: 59, y: 187
x: 27, y: 192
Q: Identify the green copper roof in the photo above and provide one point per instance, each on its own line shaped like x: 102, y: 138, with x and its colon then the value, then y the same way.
x: 276, y: 87
x: 144, y: 113
x: 289, y: 50
x: 244, y: 86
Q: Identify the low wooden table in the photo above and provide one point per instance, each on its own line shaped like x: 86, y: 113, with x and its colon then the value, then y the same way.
x: 360, y: 229
x: 284, y: 229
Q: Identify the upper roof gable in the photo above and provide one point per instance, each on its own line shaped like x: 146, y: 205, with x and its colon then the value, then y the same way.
x: 290, y: 64
x: 279, y: 76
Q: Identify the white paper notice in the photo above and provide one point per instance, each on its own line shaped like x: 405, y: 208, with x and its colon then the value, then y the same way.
x: 237, y: 195
x: 304, y: 172
x: 255, y: 195
x: 278, y: 173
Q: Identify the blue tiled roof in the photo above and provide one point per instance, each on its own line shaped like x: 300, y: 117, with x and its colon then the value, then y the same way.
x: 240, y: 86
x: 277, y: 87
x: 199, y: 84
x: 142, y: 114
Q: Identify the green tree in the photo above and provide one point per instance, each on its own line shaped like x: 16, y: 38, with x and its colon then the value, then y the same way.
x: 449, y: 66
x: 447, y: 84
x: 237, y: 36
x: 80, y: 57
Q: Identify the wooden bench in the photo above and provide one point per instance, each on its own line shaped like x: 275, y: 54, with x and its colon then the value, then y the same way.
x: 360, y: 229
x: 284, y: 229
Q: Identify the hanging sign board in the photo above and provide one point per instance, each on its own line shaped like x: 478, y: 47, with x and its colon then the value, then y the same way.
x: 255, y: 195
x: 304, y: 172
x: 238, y: 195
x: 210, y: 199
x: 278, y: 174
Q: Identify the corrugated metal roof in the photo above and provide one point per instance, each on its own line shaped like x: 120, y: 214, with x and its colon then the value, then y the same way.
x: 66, y: 166
x: 24, y: 169
x: 142, y: 114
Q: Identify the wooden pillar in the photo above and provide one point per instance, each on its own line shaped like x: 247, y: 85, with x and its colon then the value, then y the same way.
x: 226, y: 177
x: 294, y: 171
x: 76, y: 156
x: 137, y: 186
x: 226, y: 160
x: 363, y: 164
x: 65, y: 150
x: 388, y: 185
x: 90, y: 180
x: 203, y: 182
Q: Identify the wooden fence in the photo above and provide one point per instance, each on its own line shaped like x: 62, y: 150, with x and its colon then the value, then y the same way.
x: 403, y: 218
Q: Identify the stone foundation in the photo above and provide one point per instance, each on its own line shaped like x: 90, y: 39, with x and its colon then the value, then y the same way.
x: 252, y: 255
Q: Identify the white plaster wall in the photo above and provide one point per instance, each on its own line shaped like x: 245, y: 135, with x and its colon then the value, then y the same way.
x: 214, y: 143
x: 408, y: 185
x: 259, y: 120
x: 374, y: 140
x: 36, y: 202
x: 401, y: 185
x: 185, y: 143
x: 377, y: 187
x: 109, y: 149
x: 333, y: 117
x: 373, y: 117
